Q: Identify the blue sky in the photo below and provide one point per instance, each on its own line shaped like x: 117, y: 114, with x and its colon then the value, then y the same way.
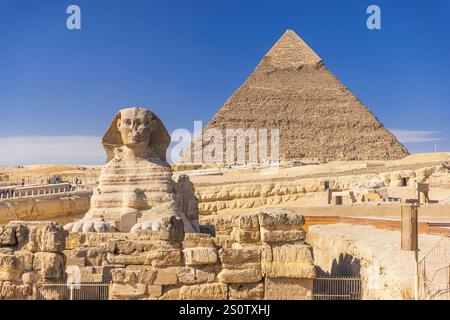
x: 183, y: 59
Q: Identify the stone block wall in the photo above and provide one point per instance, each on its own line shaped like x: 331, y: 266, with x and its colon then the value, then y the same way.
x: 30, y: 252
x: 264, y: 256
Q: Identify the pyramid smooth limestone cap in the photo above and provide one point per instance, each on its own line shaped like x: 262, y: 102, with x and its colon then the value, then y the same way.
x: 291, y: 51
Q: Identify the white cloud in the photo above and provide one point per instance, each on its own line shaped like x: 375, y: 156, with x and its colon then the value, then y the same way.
x: 415, y: 136
x: 51, y: 150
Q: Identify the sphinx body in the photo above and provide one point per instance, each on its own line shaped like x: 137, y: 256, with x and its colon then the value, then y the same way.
x: 135, y: 188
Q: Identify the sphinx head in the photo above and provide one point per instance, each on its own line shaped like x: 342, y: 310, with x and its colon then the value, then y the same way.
x: 138, y: 129
x: 136, y: 126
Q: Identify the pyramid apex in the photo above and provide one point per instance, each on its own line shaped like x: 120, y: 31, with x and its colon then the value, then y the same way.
x: 291, y: 51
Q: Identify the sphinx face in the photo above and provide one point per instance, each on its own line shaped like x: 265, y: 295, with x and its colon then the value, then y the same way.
x: 135, y: 126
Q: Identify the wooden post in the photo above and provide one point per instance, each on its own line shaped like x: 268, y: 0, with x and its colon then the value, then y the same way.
x: 409, y: 239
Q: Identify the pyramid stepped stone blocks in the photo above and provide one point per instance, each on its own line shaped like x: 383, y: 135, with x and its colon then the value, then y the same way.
x: 317, y: 116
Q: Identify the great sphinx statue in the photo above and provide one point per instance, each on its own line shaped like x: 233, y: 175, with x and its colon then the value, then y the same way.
x: 135, y: 188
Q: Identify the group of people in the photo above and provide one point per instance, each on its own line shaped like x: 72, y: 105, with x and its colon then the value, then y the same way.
x: 6, y: 193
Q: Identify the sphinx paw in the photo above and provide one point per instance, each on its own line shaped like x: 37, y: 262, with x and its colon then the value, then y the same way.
x: 152, y: 225
x: 90, y: 226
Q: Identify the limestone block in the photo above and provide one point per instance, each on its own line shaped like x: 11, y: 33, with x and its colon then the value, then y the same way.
x: 11, y: 267
x: 126, y: 259
x: 122, y: 275
x: 10, y: 290
x: 207, y: 291
x: 30, y: 277
x: 170, y: 293
x: 163, y: 257
x: 144, y: 274
x: 50, y: 265
x: 43, y: 236
x: 223, y: 225
x: 91, y: 274
x: 232, y: 256
x: 128, y: 291
x: 282, y: 235
x: 288, y: 261
x: 194, y: 240
x: 154, y: 292
x: 246, y: 273
x: 6, y: 250
x: 75, y: 261
x: 241, y: 236
x: 166, y: 276
x: 280, y: 219
x: 7, y: 235
x: 76, y: 240
x: 200, y: 256
x: 250, y: 291
x: 246, y: 222
x: 288, y: 289
x: 125, y: 246
x: 95, y: 256
x: 26, y: 257
x: 192, y: 275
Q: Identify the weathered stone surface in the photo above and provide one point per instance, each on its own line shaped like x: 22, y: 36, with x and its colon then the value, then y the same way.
x: 11, y: 267
x: 288, y: 261
x: 10, y: 290
x: 122, y: 275
x: 270, y: 236
x: 6, y: 250
x: 246, y: 222
x: 288, y: 289
x: 195, y: 240
x: 207, y: 291
x: 50, y: 265
x: 92, y: 274
x: 276, y: 218
x: 129, y: 291
x: 166, y: 276
x: 200, y: 256
x: 163, y: 257
x: 246, y: 273
x: 170, y: 293
x: 7, y: 235
x: 30, y: 277
x: 192, y: 275
x: 144, y: 274
x: 154, y: 292
x: 232, y: 256
x: 127, y: 259
x: 134, y: 274
x: 241, y: 236
x: 251, y: 291
x: 240, y: 265
x: 43, y: 236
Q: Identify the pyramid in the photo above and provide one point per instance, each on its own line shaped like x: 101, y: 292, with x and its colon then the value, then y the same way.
x: 317, y: 116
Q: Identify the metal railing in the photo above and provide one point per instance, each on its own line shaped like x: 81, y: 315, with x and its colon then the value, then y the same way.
x: 337, y: 288
x: 434, y: 272
x: 43, y: 190
x: 81, y: 291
